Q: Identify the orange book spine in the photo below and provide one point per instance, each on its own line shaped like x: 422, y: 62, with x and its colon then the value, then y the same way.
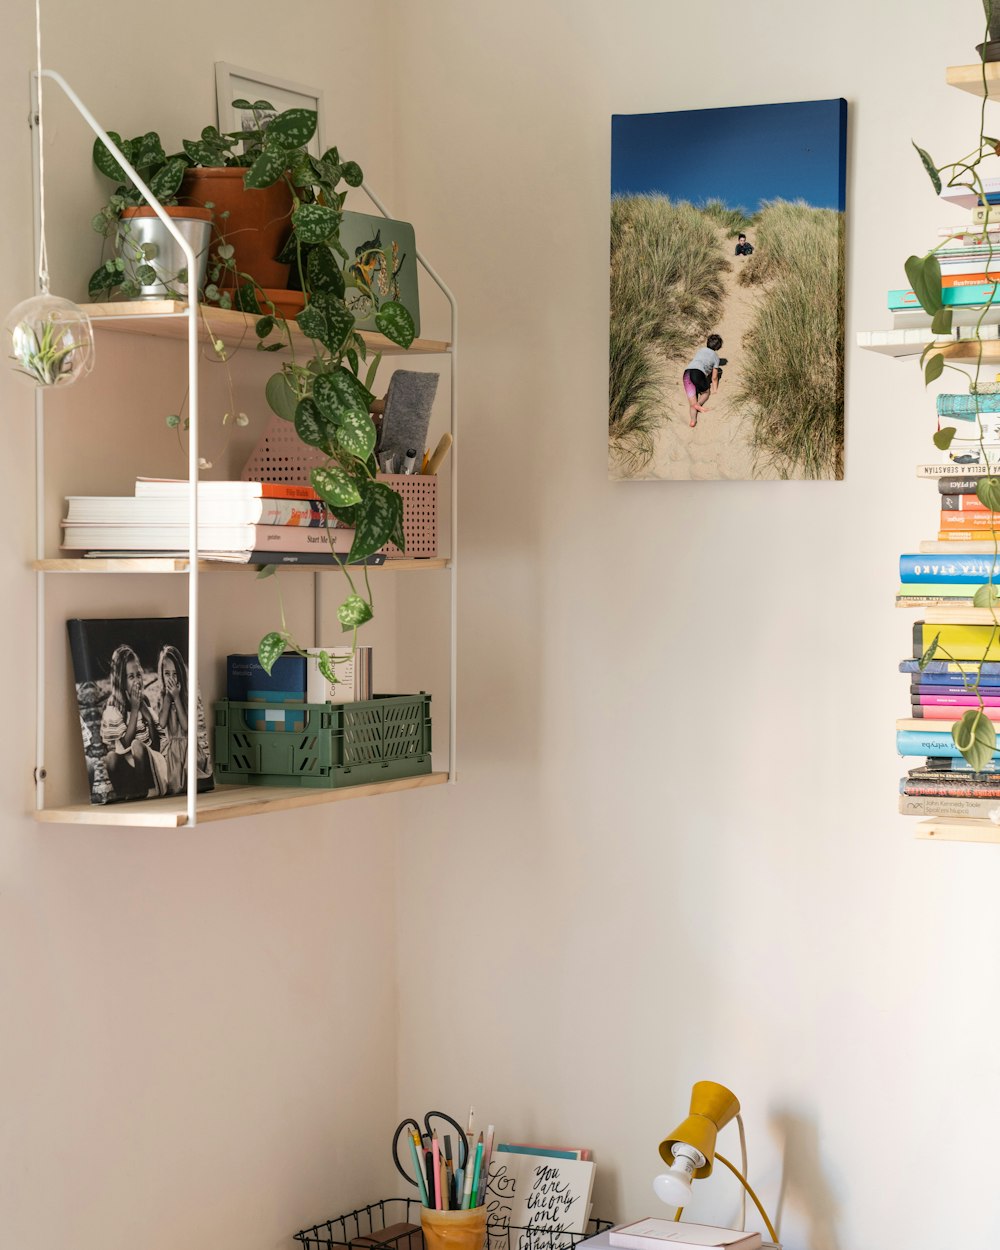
x: 970, y: 520
x: 969, y: 279
x: 968, y: 536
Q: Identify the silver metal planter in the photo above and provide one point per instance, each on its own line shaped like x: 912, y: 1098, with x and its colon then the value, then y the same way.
x: 144, y: 240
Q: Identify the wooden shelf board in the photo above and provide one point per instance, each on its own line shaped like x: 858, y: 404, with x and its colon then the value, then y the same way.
x: 966, y: 352
x: 970, y: 78
x: 224, y: 803
x: 955, y: 829
x: 167, y: 564
x: 162, y: 319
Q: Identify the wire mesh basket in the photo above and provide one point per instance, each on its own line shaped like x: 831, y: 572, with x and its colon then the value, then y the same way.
x: 395, y: 1223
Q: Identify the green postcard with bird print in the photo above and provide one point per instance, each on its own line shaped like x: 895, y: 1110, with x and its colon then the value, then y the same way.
x: 381, y: 266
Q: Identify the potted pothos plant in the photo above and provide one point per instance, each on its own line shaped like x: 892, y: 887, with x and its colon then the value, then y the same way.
x: 974, y: 734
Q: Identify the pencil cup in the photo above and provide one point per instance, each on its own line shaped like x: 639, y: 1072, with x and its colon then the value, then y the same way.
x: 453, y: 1230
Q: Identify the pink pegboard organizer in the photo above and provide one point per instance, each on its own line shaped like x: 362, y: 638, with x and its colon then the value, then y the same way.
x: 281, y: 456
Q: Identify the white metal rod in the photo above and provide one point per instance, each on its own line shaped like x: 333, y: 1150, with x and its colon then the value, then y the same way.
x: 40, y: 654
x: 453, y: 479
x: 193, y: 459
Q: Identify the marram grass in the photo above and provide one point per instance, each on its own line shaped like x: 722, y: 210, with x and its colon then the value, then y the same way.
x: 793, y: 378
x: 666, y: 293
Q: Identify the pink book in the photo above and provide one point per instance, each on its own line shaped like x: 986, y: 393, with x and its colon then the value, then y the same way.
x: 956, y: 700
x: 952, y: 714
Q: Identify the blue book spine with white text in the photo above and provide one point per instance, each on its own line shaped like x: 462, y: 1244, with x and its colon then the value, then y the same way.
x: 968, y: 667
x: 919, y: 742
x: 965, y: 570
x: 245, y: 673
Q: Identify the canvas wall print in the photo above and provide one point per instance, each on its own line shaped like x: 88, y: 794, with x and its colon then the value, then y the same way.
x: 727, y: 293
x: 131, y: 692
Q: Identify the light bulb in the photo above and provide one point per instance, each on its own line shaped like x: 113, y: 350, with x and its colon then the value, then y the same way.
x: 51, y: 341
x: 674, y: 1186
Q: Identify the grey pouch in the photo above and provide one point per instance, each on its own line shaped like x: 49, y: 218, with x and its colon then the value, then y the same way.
x: 408, y: 404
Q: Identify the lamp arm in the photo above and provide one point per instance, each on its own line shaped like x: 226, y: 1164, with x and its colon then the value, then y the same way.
x: 746, y: 1185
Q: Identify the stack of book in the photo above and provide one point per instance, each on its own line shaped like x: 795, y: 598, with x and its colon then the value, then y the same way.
x: 242, y: 522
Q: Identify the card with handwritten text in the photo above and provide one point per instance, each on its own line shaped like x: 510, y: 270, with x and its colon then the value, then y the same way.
x: 527, y: 1193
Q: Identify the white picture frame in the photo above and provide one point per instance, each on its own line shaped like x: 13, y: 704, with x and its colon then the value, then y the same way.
x: 235, y: 82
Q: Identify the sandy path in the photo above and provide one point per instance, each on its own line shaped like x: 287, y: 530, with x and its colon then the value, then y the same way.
x: 718, y: 447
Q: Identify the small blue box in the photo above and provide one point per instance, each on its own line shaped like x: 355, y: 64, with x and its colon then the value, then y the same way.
x: 244, y: 674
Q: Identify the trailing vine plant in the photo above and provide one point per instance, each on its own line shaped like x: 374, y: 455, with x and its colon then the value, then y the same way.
x: 974, y: 734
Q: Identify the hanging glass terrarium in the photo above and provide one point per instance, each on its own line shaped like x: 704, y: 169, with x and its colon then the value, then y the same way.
x: 51, y: 341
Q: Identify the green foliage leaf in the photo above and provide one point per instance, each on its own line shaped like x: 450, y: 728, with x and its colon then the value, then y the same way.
x: 266, y: 169
x: 105, y: 162
x: 264, y: 326
x: 332, y: 484
x: 928, y: 655
x: 942, y: 438
x: 933, y: 369
x: 100, y: 283
x: 380, y: 511
x: 326, y: 668
x: 166, y: 181
x: 354, y: 611
x: 312, y: 321
x: 356, y: 434
x: 291, y: 129
x: 924, y: 276
x: 323, y: 273
x: 975, y: 736
x: 246, y: 299
x: 931, y: 168
x: 266, y: 570
x: 271, y: 647
x: 352, y: 174
x: 988, y: 493
x: 146, y: 275
x: 310, y: 425
x: 352, y: 360
x: 985, y: 596
x: 339, y: 392
x: 395, y: 322
x: 942, y: 321
x: 328, y: 319
x: 281, y: 399
x: 146, y: 151
x: 314, y: 223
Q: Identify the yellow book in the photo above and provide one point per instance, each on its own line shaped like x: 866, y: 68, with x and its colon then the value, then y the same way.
x: 957, y: 642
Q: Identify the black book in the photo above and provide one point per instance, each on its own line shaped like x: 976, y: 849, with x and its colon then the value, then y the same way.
x: 131, y: 691
x: 309, y: 557
x: 958, y: 486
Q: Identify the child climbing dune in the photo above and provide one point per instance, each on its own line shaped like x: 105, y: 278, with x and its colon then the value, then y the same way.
x: 702, y: 376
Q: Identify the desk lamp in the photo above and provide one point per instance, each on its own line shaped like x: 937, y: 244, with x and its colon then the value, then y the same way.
x: 689, y: 1151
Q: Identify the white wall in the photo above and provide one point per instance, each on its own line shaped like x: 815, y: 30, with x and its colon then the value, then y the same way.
x: 198, y: 1028
x: 675, y: 852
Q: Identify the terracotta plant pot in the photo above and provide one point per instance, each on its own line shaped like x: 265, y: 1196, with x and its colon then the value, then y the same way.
x: 257, y: 225
x: 143, y: 230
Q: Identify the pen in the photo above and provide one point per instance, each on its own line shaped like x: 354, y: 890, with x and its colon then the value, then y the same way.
x: 487, y: 1155
x: 467, y: 1189
x: 429, y: 1168
x: 475, y: 1178
x: 436, y: 1153
x: 418, y: 1169
x: 423, y: 463
x: 445, y: 1203
x: 409, y: 460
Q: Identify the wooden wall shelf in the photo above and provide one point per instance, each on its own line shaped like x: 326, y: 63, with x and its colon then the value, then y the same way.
x: 970, y: 78
x: 958, y: 830
x: 165, y: 319
x: 223, y: 803
x: 169, y: 564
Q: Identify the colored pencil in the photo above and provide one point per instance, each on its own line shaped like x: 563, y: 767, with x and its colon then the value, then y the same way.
x: 421, y: 1185
x: 436, y: 1153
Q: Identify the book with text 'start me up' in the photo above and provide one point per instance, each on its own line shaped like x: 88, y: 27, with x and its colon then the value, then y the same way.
x: 131, y: 691
x: 649, y: 1234
x: 152, y: 487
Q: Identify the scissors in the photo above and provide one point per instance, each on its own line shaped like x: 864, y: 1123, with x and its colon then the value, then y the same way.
x: 413, y: 1127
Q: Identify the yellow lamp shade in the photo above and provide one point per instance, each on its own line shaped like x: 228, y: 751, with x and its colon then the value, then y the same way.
x: 712, y: 1107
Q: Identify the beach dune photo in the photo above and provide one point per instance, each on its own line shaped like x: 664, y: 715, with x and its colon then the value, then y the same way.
x: 726, y: 356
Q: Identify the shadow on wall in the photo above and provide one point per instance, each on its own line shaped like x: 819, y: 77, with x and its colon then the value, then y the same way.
x: 803, y: 1181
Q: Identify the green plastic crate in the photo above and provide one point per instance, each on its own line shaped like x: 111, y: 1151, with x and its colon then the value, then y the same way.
x: 323, y: 744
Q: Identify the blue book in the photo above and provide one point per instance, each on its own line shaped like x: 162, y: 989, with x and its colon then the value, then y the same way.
x: 969, y: 667
x: 966, y: 405
x: 927, y: 743
x: 966, y: 570
x: 245, y: 673
x: 951, y: 297
x: 949, y: 683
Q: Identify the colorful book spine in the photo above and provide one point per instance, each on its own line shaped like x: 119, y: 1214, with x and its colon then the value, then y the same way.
x: 956, y: 696
x: 945, y: 470
x: 958, y: 405
x: 958, y: 642
x: 952, y: 714
x: 978, y: 293
x: 973, y: 570
x: 968, y: 518
x: 956, y: 672
x: 969, y: 501
x: 952, y: 789
x: 950, y: 683
x: 928, y: 742
x: 945, y: 805
x: 957, y: 535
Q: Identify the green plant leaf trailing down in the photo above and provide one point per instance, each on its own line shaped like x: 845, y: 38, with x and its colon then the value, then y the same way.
x: 324, y: 397
x: 975, y: 733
